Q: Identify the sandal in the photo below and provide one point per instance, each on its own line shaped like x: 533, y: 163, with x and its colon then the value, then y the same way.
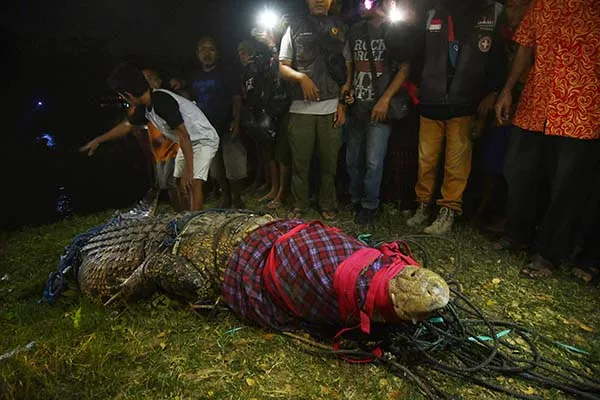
x: 273, y: 204
x: 588, y: 271
x: 539, y: 267
x: 506, y: 243
x: 328, y: 215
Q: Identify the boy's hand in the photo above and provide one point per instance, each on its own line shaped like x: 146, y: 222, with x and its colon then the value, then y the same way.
x: 187, y: 181
x: 309, y: 89
x: 349, y: 97
x: 234, y: 128
x: 264, y: 36
x: 339, y: 118
x: 90, y: 147
x: 487, y: 104
x: 380, y: 110
x: 503, y: 106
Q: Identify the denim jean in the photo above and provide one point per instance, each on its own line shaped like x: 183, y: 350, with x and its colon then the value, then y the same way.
x: 365, y: 155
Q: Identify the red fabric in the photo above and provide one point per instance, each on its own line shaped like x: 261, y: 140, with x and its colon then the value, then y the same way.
x: 411, y: 88
x: 377, y: 352
x: 285, y: 281
x: 270, y: 275
x: 347, y: 273
x: 562, y: 94
x: 344, y: 281
x: 377, y: 296
x: 450, y: 28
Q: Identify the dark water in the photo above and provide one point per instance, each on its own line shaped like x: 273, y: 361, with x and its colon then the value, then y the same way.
x: 46, y: 178
x: 70, y: 182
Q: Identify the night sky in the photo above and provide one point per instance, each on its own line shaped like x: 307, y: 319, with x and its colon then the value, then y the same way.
x: 61, y: 46
x: 62, y: 42
x: 121, y: 28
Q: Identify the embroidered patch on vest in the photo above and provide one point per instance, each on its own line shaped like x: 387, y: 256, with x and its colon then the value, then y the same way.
x: 486, y: 24
x: 485, y: 44
x: 435, y: 25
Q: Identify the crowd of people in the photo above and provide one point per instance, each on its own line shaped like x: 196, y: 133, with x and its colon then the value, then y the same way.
x: 506, y: 94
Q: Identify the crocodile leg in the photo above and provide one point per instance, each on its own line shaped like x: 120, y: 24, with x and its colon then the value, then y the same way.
x: 172, y: 274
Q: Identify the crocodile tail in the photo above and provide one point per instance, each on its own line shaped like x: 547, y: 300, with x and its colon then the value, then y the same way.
x: 146, y: 207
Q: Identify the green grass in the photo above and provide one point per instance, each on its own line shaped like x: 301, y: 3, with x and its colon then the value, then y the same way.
x: 160, y: 349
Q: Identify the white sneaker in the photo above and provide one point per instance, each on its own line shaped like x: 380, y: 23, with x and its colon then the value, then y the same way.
x: 442, y: 224
x: 420, y: 216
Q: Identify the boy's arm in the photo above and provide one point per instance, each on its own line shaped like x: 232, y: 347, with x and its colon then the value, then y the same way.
x: 346, y: 88
x: 380, y: 110
x: 286, y: 54
x: 188, y: 156
x: 236, y: 102
x: 309, y: 89
x: 167, y: 108
x: 118, y: 131
x: 526, y: 38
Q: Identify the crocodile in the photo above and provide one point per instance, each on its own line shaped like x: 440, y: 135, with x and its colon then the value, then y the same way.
x: 203, y: 256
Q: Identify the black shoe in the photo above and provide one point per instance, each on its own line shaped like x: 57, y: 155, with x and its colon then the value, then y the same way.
x: 356, y: 208
x: 365, y: 217
x: 238, y: 204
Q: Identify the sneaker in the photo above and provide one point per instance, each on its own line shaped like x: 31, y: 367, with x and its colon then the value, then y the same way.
x: 365, y: 217
x: 420, y: 216
x: 442, y: 224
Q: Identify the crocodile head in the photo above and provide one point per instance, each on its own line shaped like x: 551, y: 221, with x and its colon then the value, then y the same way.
x: 416, y: 292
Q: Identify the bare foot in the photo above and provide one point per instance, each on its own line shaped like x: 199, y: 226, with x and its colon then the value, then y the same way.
x: 275, y: 204
x: 587, y: 273
x: 268, y: 197
x: 262, y: 187
x: 539, y: 267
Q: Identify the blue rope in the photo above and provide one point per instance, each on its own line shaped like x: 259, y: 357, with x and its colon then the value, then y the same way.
x: 70, y: 260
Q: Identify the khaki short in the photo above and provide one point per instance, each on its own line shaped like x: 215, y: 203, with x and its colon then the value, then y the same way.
x: 203, y: 157
x: 232, y: 157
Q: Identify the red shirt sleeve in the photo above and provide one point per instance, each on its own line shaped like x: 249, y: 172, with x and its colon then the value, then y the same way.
x: 526, y: 33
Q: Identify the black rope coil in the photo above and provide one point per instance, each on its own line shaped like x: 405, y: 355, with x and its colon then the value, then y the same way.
x: 460, y: 341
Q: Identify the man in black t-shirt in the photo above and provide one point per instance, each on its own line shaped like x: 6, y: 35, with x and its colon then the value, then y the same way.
x: 177, y: 118
x: 217, y: 93
x: 370, y: 126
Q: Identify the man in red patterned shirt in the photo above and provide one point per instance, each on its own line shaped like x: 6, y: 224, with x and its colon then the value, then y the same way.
x: 556, y: 144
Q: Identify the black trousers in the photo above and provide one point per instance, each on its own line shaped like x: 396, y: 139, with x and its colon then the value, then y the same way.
x: 590, y: 241
x: 550, y: 181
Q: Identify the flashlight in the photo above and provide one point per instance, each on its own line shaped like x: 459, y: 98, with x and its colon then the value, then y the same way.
x: 268, y: 19
x: 368, y: 4
x: 396, y: 15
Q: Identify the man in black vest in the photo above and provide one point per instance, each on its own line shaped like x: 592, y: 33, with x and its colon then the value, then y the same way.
x: 308, y: 57
x: 460, y: 74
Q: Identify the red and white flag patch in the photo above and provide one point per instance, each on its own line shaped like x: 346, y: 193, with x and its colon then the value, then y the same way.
x: 435, y: 25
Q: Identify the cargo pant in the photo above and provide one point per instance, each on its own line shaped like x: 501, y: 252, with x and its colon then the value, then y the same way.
x: 308, y: 133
